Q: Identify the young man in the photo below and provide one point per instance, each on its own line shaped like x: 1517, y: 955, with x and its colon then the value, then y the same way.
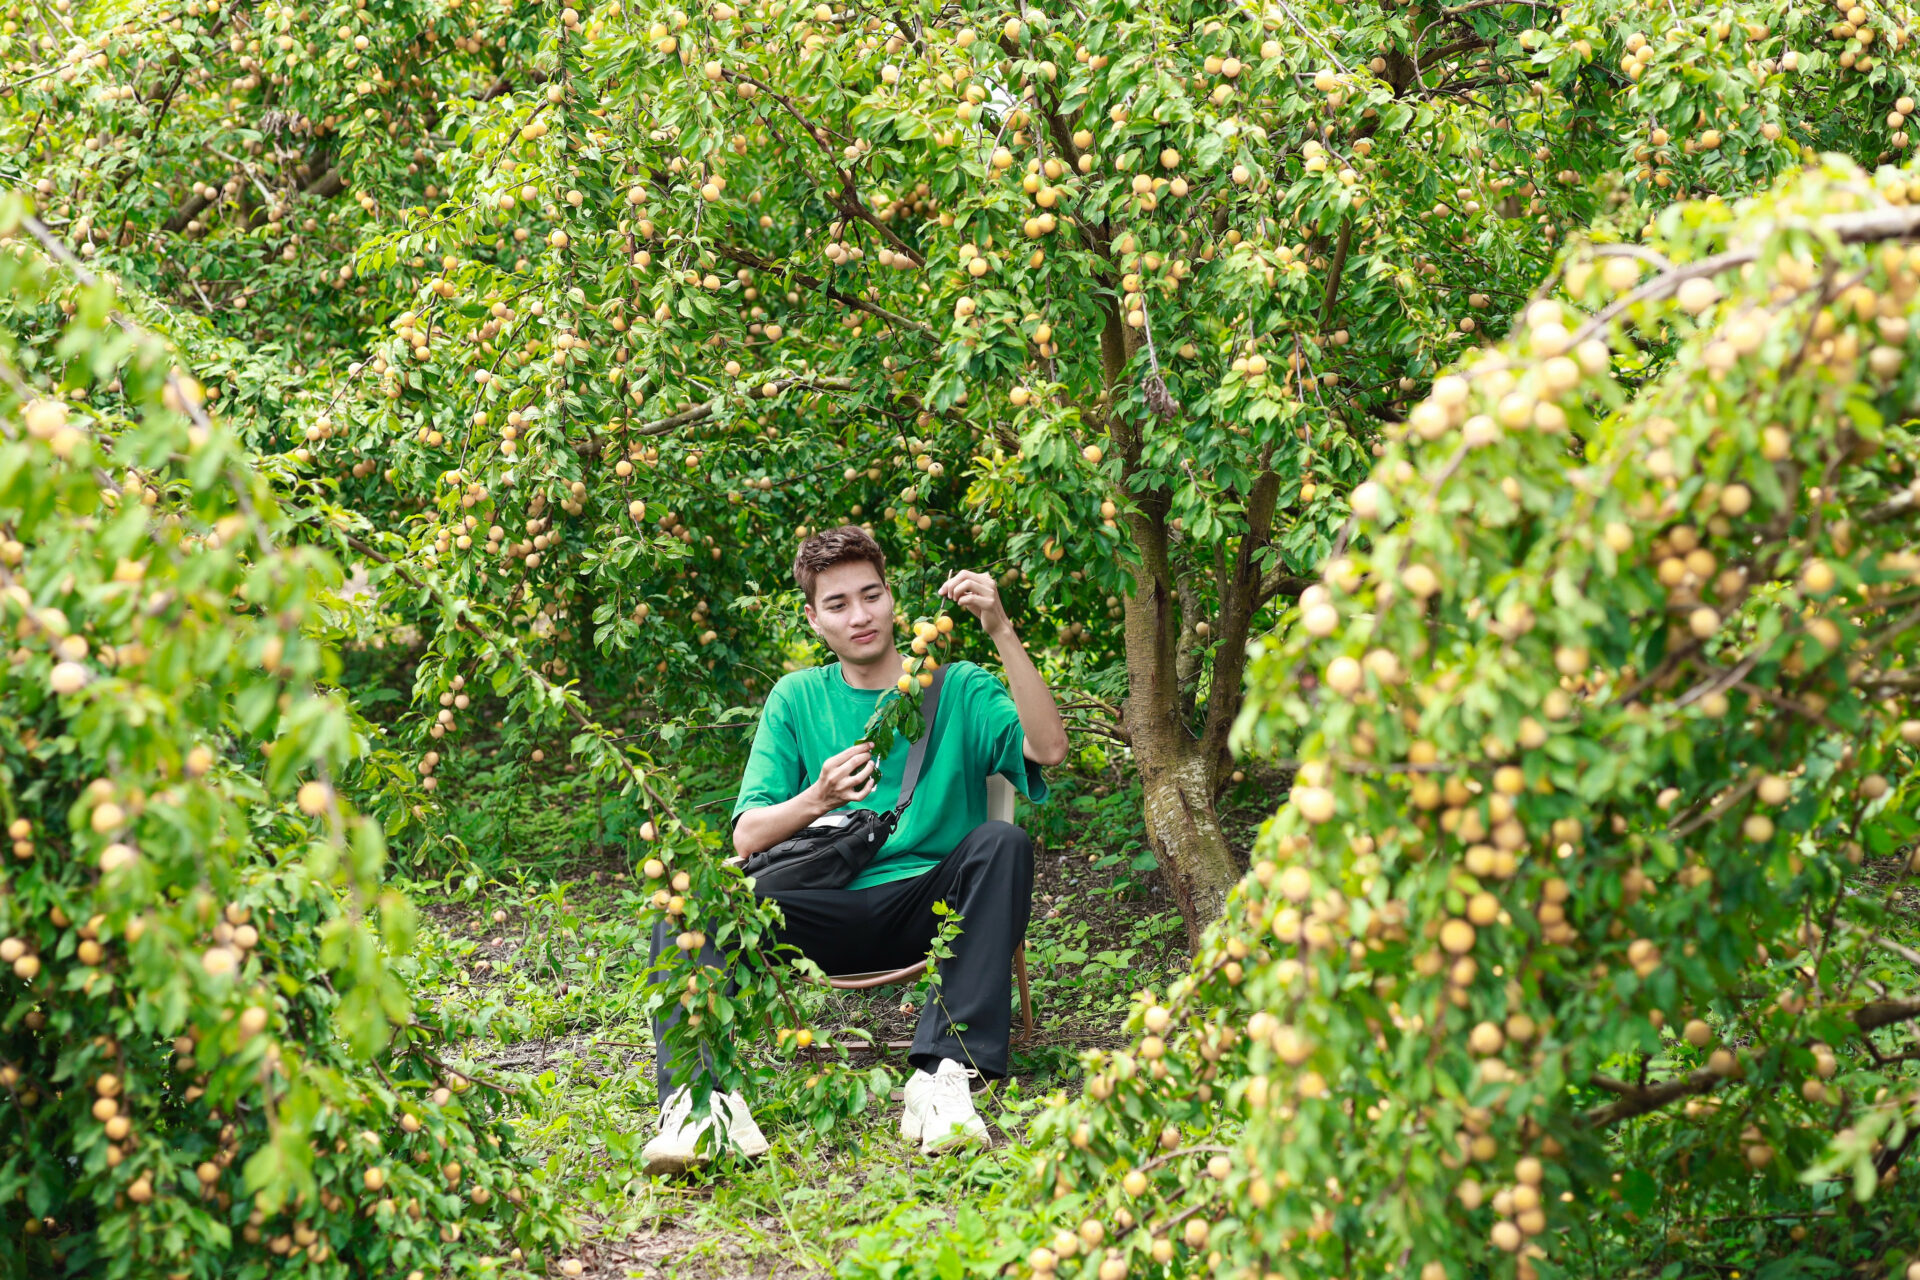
x: 807, y: 762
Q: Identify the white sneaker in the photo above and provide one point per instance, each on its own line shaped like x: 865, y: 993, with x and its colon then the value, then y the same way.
x: 939, y: 1113
x: 674, y: 1148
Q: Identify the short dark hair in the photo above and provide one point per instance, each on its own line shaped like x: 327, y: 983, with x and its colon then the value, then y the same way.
x: 835, y: 546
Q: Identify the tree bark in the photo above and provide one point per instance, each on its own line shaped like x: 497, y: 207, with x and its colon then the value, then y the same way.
x: 1179, y: 781
x: 1180, y: 768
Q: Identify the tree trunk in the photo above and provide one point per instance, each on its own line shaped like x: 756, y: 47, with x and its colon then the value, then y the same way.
x: 1180, y: 764
x: 1179, y: 770
x: 1183, y: 827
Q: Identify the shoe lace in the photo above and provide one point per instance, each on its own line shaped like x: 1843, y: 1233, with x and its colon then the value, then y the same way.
x: 682, y: 1118
x: 731, y: 1112
x: 950, y: 1093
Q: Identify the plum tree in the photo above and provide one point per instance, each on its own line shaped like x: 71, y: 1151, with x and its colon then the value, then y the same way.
x: 1130, y: 303
x: 1570, y: 947
x: 210, y: 1062
x: 226, y: 157
x: 1119, y: 303
x: 103, y: 144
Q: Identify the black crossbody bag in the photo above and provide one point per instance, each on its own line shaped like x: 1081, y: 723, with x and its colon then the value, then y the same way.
x: 829, y: 853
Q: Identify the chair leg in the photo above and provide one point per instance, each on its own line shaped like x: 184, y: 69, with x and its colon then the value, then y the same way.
x: 1026, y: 995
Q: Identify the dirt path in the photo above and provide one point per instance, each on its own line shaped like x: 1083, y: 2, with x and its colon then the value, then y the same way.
x: 673, y: 1249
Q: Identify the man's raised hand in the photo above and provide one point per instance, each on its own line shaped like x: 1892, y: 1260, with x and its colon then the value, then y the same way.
x: 977, y: 594
x: 847, y: 776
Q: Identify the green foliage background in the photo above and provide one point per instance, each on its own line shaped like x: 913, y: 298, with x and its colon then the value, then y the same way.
x: 503, y: 352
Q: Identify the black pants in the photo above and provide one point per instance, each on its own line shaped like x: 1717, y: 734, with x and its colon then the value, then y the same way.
x: 987, y: 880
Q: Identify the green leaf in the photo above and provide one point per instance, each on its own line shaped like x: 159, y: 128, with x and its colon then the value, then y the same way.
x: 1639, y: 1190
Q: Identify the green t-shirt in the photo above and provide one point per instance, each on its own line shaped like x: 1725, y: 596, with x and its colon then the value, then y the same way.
x: 814, y: 713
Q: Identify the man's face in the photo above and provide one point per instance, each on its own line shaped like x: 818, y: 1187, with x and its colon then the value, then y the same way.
x: 853, y: 611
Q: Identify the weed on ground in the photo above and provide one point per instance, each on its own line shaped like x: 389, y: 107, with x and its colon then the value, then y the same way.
x: 552, y: 956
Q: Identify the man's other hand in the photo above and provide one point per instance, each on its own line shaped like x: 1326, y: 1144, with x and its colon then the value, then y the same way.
x: 977, y: 594
x: 846, y: 777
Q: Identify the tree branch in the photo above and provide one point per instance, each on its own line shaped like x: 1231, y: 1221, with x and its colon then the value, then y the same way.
x: 504, y: 84
x: 747, y: 258
x: 1466, y: 45
x: 1239, y: 600
x: 1206, y: 1149
x: 701, y: 412
x: 195, y: 205
x: 1906, y: 953
x: 1899, y: 504
x: 1279, y: 582
x: 1886, y: 1013
x: 1848, y: 228
x: 1187, y: 645
x: 1715, y: 811
x: 848, y: 200
x: 327, y: 185
x: 1333, y: 274
x: 1638, y: 1100
x: 1787, y: 704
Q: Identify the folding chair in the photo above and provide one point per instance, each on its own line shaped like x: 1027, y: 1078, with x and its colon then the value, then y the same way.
x: 999, y: 809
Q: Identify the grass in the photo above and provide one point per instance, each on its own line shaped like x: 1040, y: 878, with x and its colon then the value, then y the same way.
x: 549, y: 950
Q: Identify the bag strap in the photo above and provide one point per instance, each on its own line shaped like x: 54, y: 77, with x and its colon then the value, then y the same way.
x: 919, y: 750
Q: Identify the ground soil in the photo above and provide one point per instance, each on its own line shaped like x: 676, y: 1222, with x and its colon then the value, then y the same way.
x: 1068, y: 889
x: 688, y: 1254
